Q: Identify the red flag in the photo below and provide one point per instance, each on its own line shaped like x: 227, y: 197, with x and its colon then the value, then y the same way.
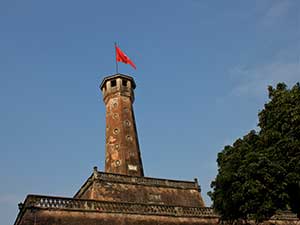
x: 122, y: 57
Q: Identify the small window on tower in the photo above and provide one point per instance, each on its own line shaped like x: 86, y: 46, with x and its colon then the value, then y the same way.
x: 117, y: 163
x: 124, y: 83
x: 116, y: 131
x: 113, y: 83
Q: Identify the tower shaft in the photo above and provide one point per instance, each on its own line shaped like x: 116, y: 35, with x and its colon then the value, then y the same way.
x: 122, y: 146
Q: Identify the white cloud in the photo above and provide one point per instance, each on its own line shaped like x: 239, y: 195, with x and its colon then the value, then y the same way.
x: 276, y: 12
x: 254, y: 81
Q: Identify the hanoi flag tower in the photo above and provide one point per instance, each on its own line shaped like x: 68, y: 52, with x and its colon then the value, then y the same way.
x: 121, y: 194
x: 122, y: 146
x: 123, y: 180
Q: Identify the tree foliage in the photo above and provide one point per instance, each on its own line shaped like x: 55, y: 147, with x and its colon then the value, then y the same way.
x: 260, y: 173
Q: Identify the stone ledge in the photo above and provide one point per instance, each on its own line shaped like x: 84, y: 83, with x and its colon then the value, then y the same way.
x: 148, y: 181
x: 284, y: 215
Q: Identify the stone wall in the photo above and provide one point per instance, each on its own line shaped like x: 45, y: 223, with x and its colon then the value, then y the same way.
x: 46, y: 210
x: 121, y: 188
x: 105, y: 191
x: 47, y: 217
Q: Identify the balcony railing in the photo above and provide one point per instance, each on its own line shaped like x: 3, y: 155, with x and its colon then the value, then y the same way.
x: 59, y: 203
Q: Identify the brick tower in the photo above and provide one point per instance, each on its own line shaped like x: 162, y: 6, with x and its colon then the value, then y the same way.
x: 122, y: 146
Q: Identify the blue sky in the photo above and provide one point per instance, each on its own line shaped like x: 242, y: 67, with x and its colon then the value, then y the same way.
x: 203, y: 68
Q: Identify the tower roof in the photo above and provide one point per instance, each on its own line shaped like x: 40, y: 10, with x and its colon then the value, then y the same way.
x: 118, y: 75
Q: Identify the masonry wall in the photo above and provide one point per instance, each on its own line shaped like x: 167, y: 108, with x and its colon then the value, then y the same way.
x: 52, y: 217
x: 61, y: 217
x: 49, y: 210
x: 107, y: 191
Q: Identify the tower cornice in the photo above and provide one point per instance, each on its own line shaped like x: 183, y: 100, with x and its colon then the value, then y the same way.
x: 118, y: 75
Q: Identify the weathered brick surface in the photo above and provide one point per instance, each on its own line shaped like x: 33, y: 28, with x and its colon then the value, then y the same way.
x: 121, y: 188
x: 58, y: 210
x: 56, y: 217
x: 72, y: 217
x: 122, y: 146
x: 143, y: 194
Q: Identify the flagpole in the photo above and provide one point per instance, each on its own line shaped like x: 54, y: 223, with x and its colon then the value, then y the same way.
x: 117, y: 66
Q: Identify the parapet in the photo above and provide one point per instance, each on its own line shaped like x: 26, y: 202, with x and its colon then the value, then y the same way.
x: 142, y: 190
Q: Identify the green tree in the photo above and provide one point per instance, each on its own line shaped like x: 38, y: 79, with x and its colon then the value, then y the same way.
x: 280, y: 132
x: 260, y: 173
